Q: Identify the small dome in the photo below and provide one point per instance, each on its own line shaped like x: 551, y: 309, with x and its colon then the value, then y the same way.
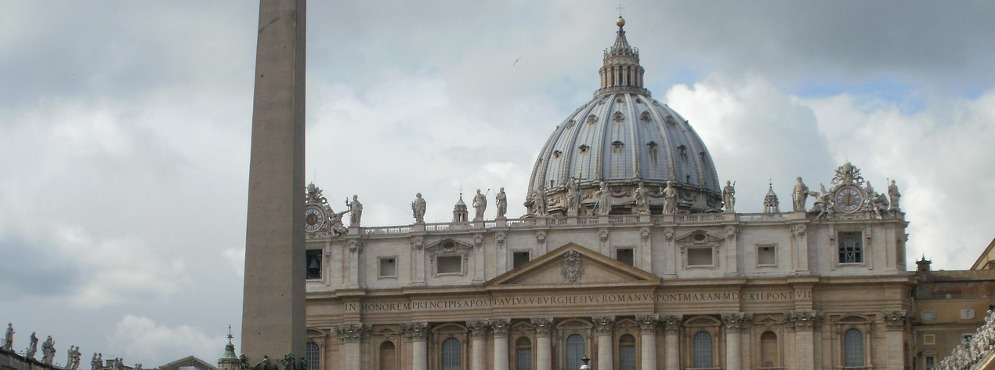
x: 625, y: 139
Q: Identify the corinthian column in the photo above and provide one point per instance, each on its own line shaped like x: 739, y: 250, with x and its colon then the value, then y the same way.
x: 672, y: 327
x: 603, y: 326
x: 734, y: 323
x: 500, y: 327
x: 417, y: 334
x: 647, y: 334
x: 350, y: 335
x: 544, y: 346
x: 478, y: 337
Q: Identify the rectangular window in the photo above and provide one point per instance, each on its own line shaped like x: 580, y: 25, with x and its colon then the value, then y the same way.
x: 518, y: 259
x: 626, y: 256
x: 851, y: 249
x: 449, y: 265
x: 930, y: 362
x: 928, y: 315
x: 929, y: 339
x: 699, y: 256
x: 966, y: 313
x: 766, y: 255
x: 388, y: 267
x: 313, y: 270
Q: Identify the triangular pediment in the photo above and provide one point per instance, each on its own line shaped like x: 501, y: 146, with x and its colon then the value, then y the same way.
x: 573, y: 265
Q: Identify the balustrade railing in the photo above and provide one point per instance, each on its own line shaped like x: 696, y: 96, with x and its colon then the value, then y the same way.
x: 527, y: 222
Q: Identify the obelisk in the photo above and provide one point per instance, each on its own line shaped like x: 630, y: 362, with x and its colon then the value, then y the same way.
x: 273, y: 301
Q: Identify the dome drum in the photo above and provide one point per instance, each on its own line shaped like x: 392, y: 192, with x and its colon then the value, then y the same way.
x: 623, y: 199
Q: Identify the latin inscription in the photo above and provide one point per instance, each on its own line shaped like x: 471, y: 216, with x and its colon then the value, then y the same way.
x: 580, y: 299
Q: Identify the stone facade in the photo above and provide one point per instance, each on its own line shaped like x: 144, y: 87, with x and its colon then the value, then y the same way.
x: 641, y: 272
x: 801, y: 303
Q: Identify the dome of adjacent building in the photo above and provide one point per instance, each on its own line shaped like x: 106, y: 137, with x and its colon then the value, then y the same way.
x: 623, y: 139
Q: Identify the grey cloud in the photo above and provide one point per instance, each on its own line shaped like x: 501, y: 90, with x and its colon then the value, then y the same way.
x: 35, y: 269
x: 830, y: 44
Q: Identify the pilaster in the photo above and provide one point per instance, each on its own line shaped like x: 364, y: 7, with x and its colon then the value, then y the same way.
x: 417, y: 334
x: 672, y: 328
x: 603, y: 326
x: 895, y: 323
x: 804, y: 323
x: 478, y: 340
x: 544, y: 346
x: 647, y: 333
x: 734, y: 324
x: 350, y: 335
x: 500, y: 329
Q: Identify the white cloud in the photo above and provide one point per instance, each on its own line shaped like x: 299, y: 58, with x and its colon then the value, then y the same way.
x: 754, y: 131
x: 236, y: 258
x: 118, y: 270
x: 940, y: 157
x: 142, y: 339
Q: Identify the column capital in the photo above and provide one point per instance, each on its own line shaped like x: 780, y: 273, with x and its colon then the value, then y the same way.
x: 735, y: 321
x: 478, y: 328
x: 415, y: 331
x: 543, y: 326
x: 603, y: 324
x: 352, y: 332
x: 500, y: 327
x: 803, y: 320
x: 648, y: 322
x: 895, y: 320
x: 672, y: 323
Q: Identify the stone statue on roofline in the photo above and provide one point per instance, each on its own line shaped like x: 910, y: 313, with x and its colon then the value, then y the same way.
x: 799, y: 196
x: 48, y: 351
x: 8, y: 338
x: 639, y: 200
x: 670, y: 198
x: 604, y: 204
x: 893, y: 196
x: 501, y: 199
x: 418, y: 208
x: 729, y: 197
x: 355, y: 211
x: 32, y: 346
x: 479, y: 205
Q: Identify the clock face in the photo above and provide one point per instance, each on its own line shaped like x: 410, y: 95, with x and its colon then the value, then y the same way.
x: 848, y: 199
x: 314, y: 218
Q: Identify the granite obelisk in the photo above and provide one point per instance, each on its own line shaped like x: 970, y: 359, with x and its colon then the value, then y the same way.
x: 273, y: 301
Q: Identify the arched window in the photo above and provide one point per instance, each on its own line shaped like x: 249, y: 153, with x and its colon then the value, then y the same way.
x: 452, y: 354
x: 575, y: 350
x: 311, y: 354
x: 768, y: 349
x: 853, y: 348
x: 523, y: 354
x: 627, y: 352
x: 701, y: 349
x: 388, y: 356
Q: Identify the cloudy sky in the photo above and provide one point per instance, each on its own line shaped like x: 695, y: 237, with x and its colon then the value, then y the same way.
x: 124, y: 130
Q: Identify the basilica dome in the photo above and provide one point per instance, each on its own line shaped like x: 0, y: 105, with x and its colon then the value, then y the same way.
x: 626, y: 144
